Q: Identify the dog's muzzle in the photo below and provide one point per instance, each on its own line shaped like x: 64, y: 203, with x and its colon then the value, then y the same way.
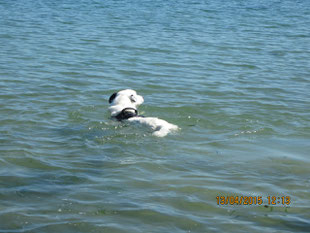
x: 127, y: 113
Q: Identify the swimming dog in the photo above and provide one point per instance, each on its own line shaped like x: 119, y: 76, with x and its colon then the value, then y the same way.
x: 124, y: 107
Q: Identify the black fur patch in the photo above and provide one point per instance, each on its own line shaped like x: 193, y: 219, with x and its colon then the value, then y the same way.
x: 112, y: 97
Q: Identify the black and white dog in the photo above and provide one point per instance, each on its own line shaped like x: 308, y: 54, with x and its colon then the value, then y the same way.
x: 124, y: 106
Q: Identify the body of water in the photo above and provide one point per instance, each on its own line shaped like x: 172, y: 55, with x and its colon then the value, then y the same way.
x: 233, y: 75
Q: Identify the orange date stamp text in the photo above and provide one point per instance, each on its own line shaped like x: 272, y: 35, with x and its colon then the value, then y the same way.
x: 253, y: 200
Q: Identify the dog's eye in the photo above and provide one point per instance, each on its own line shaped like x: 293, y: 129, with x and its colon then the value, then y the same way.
x: 133, y: 98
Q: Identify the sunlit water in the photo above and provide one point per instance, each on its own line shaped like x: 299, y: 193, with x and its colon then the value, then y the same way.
x: 233, y: 75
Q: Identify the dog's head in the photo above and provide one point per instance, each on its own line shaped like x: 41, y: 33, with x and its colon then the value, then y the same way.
x: 124, y: 103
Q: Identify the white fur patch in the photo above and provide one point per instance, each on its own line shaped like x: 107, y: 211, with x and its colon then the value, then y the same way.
x: 125, y: 99
x: 160, y: 127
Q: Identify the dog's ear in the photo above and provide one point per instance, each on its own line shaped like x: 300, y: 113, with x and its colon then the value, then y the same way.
x: 112, y: 97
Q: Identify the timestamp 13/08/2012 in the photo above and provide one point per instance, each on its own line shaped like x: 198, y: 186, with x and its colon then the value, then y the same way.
x: 253, y: 200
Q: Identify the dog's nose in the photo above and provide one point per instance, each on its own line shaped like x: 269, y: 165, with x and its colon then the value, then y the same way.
x: 141, y: 100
